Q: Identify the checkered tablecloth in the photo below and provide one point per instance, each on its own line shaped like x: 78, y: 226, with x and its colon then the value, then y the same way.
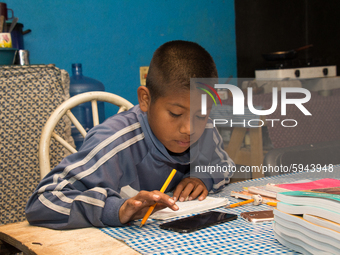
x: 234, y: 237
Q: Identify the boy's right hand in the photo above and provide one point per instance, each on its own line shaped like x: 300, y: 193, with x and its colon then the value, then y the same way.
x: 137, y: 206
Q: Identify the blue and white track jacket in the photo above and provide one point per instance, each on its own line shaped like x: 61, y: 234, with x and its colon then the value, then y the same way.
x: 84, y: 189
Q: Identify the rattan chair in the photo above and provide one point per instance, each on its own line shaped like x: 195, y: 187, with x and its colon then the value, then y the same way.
x: 65, y: 109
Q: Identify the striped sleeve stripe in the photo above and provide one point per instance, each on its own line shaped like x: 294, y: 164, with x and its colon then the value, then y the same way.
x: 68, y: 200
x: 52, y: 206
x: 90, y: 155
x: 60, y: 186
x: 99, y: 190
x: 66, y: 211
x: 101, y: 161
x: 90, y: 200
x: 220, y: 184
x: 219, y: 142
x: 106, y: 157
x: 62, y: 197
x: 43, y: 188
x: 221, y: 153
x: 55, y: 178
x: 99, y: 147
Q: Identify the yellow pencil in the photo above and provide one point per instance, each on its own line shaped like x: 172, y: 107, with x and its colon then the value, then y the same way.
x: 240, y: 203
x: 271, y: 203
x: 165, y: 185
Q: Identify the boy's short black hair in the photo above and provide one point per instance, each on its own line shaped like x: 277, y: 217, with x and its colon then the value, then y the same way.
x: 174, y: 63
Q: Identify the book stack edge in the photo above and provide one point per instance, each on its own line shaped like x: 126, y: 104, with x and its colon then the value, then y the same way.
x: 309, y: 221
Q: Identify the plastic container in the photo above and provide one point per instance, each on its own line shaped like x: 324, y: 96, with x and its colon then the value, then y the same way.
x: 7, y: 56
x: 81, y: 84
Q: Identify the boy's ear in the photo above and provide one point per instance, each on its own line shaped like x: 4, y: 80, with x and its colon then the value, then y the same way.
x: 144, y: 98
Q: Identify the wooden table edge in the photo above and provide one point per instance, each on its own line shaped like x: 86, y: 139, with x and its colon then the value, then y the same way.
x: 34, y: 240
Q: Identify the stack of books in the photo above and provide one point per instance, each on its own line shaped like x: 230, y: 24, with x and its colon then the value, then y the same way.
x: 308, y: 221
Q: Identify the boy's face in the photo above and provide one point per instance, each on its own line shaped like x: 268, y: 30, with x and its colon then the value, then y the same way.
x: 173, y: 123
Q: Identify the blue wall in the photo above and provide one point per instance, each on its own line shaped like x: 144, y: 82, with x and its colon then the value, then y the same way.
x: 112, y: 39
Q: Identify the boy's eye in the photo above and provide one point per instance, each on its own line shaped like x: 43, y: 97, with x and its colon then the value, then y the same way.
x: 175, y: 115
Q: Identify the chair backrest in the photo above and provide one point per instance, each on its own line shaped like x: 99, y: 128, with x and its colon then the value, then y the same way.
x: 301, y: 157
x: 65, y: 109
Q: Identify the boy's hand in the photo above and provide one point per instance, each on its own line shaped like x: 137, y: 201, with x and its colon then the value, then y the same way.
x: 137, y: 206
x: 190, y: 188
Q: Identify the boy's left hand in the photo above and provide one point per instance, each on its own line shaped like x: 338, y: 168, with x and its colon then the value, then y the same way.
x: 189, y: 189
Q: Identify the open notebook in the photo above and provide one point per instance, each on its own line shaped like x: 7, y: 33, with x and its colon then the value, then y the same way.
x: 189, y: 207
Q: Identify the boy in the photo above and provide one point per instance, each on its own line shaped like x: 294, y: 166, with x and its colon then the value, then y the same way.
x: 139, y: 148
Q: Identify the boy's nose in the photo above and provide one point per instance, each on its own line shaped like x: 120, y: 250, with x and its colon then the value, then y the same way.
x: 187, y: 128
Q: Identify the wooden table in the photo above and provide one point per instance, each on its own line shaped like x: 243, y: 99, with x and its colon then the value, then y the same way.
x: 37, y: 240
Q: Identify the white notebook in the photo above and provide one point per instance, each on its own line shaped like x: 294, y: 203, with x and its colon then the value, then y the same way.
x: 189, y: 207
